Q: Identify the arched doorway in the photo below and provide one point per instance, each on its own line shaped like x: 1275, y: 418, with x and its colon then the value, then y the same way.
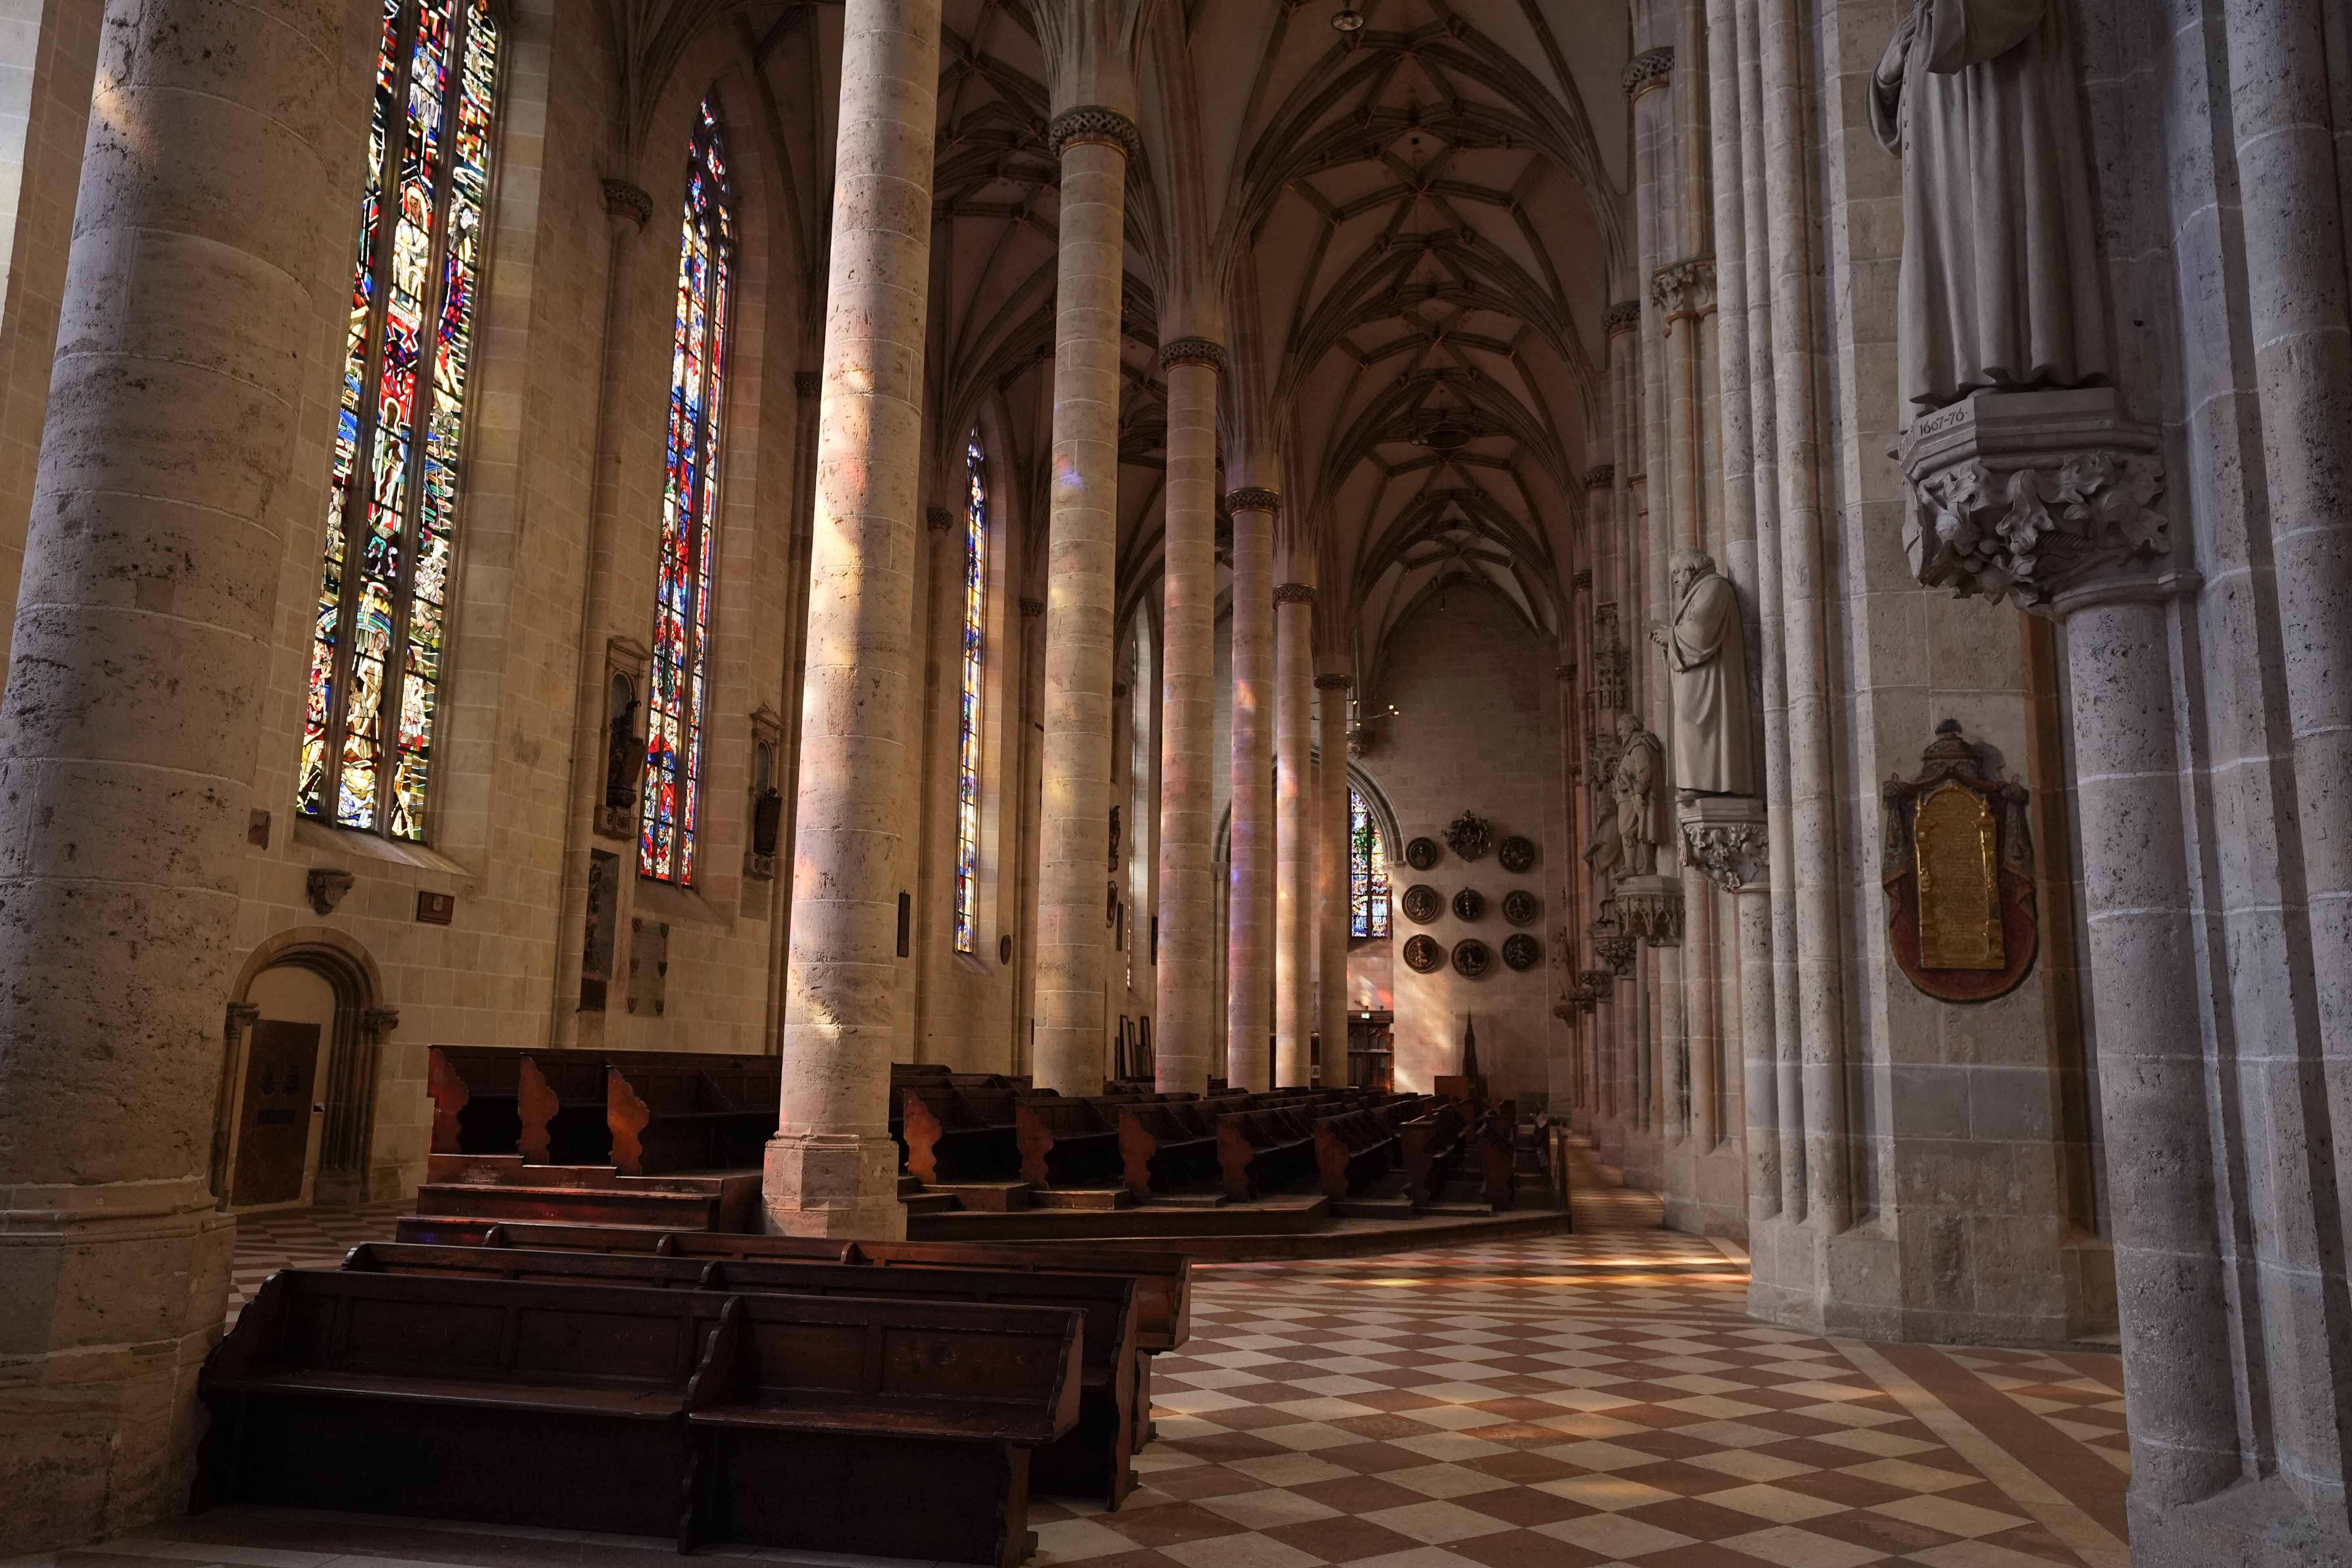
x: 297, y: 1116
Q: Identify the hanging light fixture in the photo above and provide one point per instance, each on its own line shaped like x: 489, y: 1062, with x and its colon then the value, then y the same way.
x: 1346, y: 19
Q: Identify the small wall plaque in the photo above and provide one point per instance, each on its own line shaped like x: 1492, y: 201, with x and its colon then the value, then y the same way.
x: 1516, y: 855
x: 1421, y: 854
x: 1522, y: 951
x: 1469, y: 904
x: 435, y: 909
x: 1424, y: 953
x: 1521, y: 907
x: 1471, y: 958
x: 1422, y: 903
x: 1959, y: 875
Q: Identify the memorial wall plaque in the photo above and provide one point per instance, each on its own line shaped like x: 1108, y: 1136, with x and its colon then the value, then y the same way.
x: 1957, y: 870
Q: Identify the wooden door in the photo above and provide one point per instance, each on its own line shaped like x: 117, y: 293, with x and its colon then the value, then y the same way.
x: 273, y: 1139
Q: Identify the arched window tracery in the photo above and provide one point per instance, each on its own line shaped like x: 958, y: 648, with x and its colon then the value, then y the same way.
x: 380, y: 619
x: 975, y: 611
x: 1368, y: 871
x: 671, y: 820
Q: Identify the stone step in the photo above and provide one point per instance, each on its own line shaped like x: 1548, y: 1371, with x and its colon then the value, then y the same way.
x: 1083, y: 1198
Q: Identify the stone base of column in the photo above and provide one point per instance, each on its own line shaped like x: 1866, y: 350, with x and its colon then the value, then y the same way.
x: 832, y: 1184
x: 1706, y: 1191
x: 111, y: 1297
x: 1935, y: 1279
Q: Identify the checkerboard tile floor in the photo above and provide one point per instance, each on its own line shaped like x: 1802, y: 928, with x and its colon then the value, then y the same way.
x: 1596, y: 1400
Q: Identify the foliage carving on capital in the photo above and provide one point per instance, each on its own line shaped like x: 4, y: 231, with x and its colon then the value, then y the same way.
x: 622, y: 199
x: 1334, y: 682
x: 1648, y: 71
x: 1624, y: 316
x: 1293, y: 594
x: 937, y: 518
x: 1032, y: 608
x: 1600, y: 476
x: 1092, y: 123
x: 1723, y: 838
x: 2028, y: 495
x: 1191, y: 350
x: 1684, y: 290
x: 1253, y: 498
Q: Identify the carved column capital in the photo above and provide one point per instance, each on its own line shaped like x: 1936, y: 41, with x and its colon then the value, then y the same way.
x: 380, y: 1021
x: 1723, y: 838
x: 1624, y: 316
x: 1253, y: 498
x: 1614, y: 947
x: 1600, y: 476
x: 241, y: 1015
x: 1334, y: 682
x: 2031, y: 495
x: 1293, y: 594
x: 623, y: 200
x: 1092, y: 123
x: 1652, y: 909
x: 937, y: 518
x: 807, y: 382
x: 1648, y: 71
x: 1191, y: 350
x: 1684, y: 290
x: 1032, y: 608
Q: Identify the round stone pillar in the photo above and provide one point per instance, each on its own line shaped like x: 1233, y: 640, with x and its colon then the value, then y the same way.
x: 831, y: 1167
x: 1332, y: 908
x: 1081, y: 599
x: 1184, y: 1048
x: 138, y: 668
x: 1249, y: 926
x: 1294, y: 835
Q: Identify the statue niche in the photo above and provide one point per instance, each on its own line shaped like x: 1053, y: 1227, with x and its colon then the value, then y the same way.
x: 1707, y: 657
x: 1999, y: 284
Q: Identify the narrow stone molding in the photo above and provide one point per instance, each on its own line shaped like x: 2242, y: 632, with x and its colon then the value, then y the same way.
x: 1253, y: 498
x: 1193, y: 350
x: 1648, y: 71
x: 1624, y: 316
x: 1092, y: 123
x: 622, y: 199
x: 1293, y: 594
x: 2031, y: 494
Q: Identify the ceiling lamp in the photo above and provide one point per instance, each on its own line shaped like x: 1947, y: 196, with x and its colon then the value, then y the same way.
x: 1346, y: 19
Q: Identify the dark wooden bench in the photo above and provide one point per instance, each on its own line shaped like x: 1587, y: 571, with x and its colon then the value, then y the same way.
x: 1353, y: 1149
x: 491, y: 1187
x: 1163, y: 1280
x: 1168, y: 1147
x: 1499, y: 1155
x: 557, y: 1405
x: 1260, y: 1151
x: 960, y: 1134
x: 1066, y: 1142
x: 1095, y: 1458
x: 1433, y: 1146
x: 685, y: 1113
x: 770, y: 1418
x: 473, y: 1092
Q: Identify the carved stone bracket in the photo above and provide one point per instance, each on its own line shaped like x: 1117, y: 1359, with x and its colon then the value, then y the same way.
x: 624, y: 200
x: 1293, y: 594
x: 2031, y: 493
x: 937, y: 518
x: 1652, y: 909
x: 326, y: 886
x: 1624, y: 316
x: 1253, y: 498
x: 1032, y: 608
x: 1191, y: 350
x: 1600, y: 476
x: 1723, y: 838
x: 1648, y: 71
x: 1614, y: 947
x: 1092, y: 123
x: 1684, y: 290
x: 1334, y: 682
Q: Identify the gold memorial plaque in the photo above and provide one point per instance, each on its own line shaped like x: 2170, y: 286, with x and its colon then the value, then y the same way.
x: 1958, y: 845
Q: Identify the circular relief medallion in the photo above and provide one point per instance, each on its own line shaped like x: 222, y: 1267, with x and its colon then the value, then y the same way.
x: 1471, y: 957
x: 1517, y: 855
x: 1422, y: 903
x: 1421, y: 854
x: 1521, y: 907
x: 1424, y: 953
x: 1469, y: 904
x: 1521, y: 950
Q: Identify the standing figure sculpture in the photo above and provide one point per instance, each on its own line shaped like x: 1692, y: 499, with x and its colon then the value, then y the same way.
x: 1628, y: 846
x: 1999, y: 287
x: 1706, y: 653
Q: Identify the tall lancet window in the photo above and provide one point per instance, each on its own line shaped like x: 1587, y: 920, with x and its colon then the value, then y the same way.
x: 975, y: 606
x: 1368, y: 872
x: 672, y: 819
x: 391, y: 518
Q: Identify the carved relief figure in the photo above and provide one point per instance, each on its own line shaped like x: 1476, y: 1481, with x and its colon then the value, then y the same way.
x: 2000, y: 289
x: 1706, y: 652
x: 1630, y: 845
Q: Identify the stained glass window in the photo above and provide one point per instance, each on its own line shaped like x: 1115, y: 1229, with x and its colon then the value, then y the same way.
x: 376, y: 643
x: 975, y: 603
x: 1368, y: 872
x: 671, y: 817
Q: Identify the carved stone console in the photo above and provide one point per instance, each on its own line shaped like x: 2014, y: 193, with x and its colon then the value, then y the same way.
x: 1724, y: 839
x: 1652, y: 909
x: 2030, y: 494
x: 626, y: 663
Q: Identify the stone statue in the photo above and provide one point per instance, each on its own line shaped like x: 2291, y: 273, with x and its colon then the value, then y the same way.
x: 1631, y: 848
x: 1999, y: 287
x: 625, y: 753
x: 1706, y: 652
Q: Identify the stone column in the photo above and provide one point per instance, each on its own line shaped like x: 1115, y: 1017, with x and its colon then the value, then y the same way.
x: 832, y: 1168
x: 1081, y: 597
x: 1331, y: 875
x: 1724, y: 842
x: 1249, y: 925
x: 139, y: 662
x: 1294, y: 835
x: 1184, y: 1046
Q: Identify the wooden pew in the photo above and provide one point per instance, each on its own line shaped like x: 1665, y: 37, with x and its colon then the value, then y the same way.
x: 898, y: 1428
x: 965, y: 1134
x: 1499, y: 1155
x: 1259, y: 1151
x: 557, y: 1405
x: 491, y: 1187
x: 681, y: 1113
x: 1166, y: 1148
x: 474, y: 1094
x: 1066, y: 1142
x: 1093, y: 1460
x: 1163, y: 1300
x: 1433, y: 1146
x: 774, y: 1419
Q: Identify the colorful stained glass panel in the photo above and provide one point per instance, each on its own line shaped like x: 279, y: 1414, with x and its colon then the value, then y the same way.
x: 1368, y: 872
x: 976, y: 605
